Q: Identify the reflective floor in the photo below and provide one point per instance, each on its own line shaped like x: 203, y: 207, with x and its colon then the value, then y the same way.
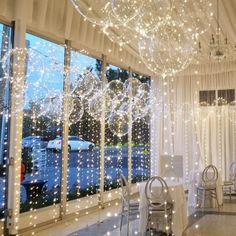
x: 202, y: 222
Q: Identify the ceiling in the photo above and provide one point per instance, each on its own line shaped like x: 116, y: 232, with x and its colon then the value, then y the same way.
x: 57, y: 19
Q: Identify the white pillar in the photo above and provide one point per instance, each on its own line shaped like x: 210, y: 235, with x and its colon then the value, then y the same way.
x: 16, y: 118
x: 15, y: 121
x: 65, y: 132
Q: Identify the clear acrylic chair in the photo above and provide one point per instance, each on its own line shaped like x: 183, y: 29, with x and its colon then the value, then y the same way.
x: 129, y: 207
x: 159, y: 207
x: 229, y: 185
x: 208, y: 185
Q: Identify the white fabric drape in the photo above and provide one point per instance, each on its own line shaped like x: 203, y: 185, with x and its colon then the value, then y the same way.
x: 202, y: 135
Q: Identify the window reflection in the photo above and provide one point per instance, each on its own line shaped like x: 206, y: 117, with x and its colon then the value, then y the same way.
x: 116, y: 148
x: 42, y: 123
x: 141, y: 142
x: 84, y: 154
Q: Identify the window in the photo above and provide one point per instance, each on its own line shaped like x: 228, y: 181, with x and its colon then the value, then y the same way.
x: 40, y: 181
x: 74, y: 139
x: 5, y: 32
x: 116, y: 147
x: 43, y: 123
x: 226, y: 96
x: 83, y: 163
x: 207, y: 98
x: 116, y: 73
x: 219, y: 97
x: 141, y: 142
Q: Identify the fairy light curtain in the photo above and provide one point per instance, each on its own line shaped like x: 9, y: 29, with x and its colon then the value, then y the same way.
x: 141, y: 141
x: 42, y: 122
x: 116, y: 145
x: 183, y: 124
x: 83, y: 166
x: 5, y: 34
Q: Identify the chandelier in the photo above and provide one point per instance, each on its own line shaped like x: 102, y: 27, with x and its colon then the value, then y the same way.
x: 219, y: 46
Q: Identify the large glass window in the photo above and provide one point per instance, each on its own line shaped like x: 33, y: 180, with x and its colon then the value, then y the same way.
x: 42, y: 124
x: 226, y: 96
x: 141, y: 133
x: 116, y: 139
x: 207, y: 98
x: 217, y: 97
x: 5, y: 46
x: 84, y: 130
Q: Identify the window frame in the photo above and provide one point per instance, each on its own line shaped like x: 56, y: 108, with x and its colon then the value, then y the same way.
x: 43, y: 214
x: 216, y: 101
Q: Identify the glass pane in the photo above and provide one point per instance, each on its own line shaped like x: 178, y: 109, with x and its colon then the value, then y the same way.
x: 226, y: 96
x: 140, y: 150
x: 207, y: 98
x: 84, y: 151
x: 141, y: 134
x: 42, y: 124
x: 116, y: 73
x: 5, y: 45
x: 141, y: 78
x: 116, y: 144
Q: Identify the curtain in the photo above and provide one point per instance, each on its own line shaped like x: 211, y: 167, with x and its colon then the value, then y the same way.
x: 203, y: 135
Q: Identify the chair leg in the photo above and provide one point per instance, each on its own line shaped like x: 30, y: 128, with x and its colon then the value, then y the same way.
x: 128, y: 223
x: 121, y: 221
x: 171, y: 218
x: 203, y: 197
x: 230, y: 193
x: 214, y: 194
x: 197, y: 196
x: 122, y: 215
x: 217, y: 198
x: 218, y: 204
x: 148, y: 228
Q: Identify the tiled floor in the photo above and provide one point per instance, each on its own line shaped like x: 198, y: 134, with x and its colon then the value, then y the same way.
x: 207, y: 222
x: 83, y: 222
x: 213, y: 225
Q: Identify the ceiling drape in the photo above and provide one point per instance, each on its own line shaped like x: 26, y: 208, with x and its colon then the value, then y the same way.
x: 58, y: 20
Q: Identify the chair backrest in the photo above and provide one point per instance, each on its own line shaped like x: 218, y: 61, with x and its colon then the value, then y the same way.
x: 125, y: 190
x: 232, y: 171
x: 210, y: 175
x: 156, y: 192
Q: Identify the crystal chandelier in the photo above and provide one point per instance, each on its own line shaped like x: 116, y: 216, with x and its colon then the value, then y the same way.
x: 219, y: 47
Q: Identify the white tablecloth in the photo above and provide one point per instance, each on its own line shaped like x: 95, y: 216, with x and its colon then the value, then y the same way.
x: 177, y: 196
x: 195, y: 180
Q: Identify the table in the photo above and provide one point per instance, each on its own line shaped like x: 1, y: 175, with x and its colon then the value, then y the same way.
x: 177, y: 196
x: 195, y: 179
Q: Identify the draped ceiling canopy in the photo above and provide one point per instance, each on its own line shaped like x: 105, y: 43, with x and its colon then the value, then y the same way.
x: 57, y: 19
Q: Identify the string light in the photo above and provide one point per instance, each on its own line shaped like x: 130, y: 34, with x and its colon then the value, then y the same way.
x: 42, y: 105
x: 164, y: 32
x: 96, y: 87
x: 4, y: 113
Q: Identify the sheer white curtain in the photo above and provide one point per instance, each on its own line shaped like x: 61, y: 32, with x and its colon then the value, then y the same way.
x: 180, y: 126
